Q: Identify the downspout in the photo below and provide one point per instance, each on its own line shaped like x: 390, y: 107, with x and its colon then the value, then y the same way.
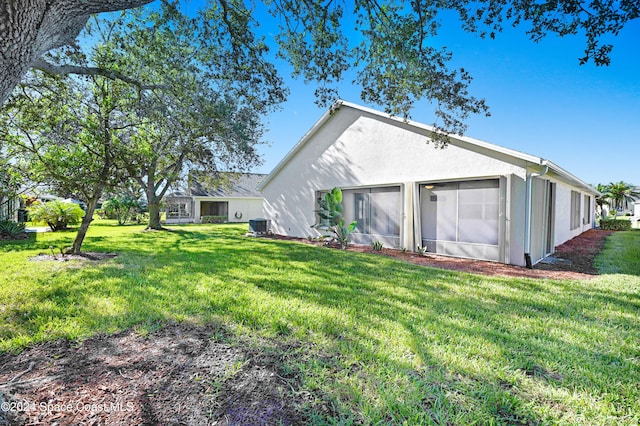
x: 527, y: 217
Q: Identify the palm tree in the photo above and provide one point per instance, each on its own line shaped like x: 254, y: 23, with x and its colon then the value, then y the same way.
x: 601, y: 199
x: 621, y: 193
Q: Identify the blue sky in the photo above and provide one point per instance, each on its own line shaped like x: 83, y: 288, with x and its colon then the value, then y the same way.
x: 542, y: 102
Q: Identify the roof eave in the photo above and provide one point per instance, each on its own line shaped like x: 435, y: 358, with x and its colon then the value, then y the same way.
x: 465, y: 139
x: 569, y: 177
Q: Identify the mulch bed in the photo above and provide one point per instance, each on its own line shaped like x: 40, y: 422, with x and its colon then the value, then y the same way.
x: 17, y: 237
x: 92, y: 256
x: 578, y: 255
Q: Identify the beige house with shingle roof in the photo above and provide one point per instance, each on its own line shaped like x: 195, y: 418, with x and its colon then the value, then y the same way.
x: 233, y: 198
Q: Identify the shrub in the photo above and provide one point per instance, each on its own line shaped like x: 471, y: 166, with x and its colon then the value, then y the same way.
x: 57, y: 214
x: 331, y: 218
x: 215, y: 219
x: 11, y: 230
x: 615, y: 225
x: 122, y: 209
x: 376, y: 246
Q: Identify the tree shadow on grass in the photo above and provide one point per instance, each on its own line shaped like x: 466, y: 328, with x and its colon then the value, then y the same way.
x: 451, y: 347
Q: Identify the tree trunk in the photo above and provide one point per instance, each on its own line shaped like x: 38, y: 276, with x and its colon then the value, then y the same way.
x: 84, y: 226
x: 30, y: 28
x: 154, y: 215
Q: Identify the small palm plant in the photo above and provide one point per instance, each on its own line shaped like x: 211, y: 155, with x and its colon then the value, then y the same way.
x: 377, y: 245
x: 11, y: 230
x: 331, y: 217
x: 57, y: 214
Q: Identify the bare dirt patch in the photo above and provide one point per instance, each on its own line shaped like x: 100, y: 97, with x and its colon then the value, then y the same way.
x: 95, y: 256
x: 574, y: 259
x: 180, y: 375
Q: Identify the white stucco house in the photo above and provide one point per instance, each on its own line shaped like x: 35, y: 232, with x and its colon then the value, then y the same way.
x: 472, y: 199
x: 235, y: 200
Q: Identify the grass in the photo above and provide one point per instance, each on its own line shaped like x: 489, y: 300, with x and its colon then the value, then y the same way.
x: 622, y: 254
x: 390, y: 343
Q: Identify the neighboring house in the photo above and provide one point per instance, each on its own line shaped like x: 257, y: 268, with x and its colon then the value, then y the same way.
x: 235, y: 200
x: 44, y: 197
x: 472, y: 199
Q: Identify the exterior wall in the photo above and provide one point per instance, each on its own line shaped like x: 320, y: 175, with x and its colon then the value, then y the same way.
x: 562, y: 230
x: 356, y: 149
x: 247, y: 208
x: 561, y: 221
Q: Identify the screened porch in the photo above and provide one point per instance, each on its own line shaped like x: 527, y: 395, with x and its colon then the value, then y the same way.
x: 462, y: 218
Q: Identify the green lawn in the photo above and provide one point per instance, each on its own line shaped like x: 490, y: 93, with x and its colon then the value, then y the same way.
x: 389, y: 342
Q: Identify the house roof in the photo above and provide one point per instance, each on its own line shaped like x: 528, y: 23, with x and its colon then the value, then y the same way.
x: 230, y: 185
x: 534, y: 160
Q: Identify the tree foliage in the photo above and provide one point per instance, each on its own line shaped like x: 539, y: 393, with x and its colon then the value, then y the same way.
x: 206, y: 113
x: 388, y: 44
x: 595, y: 20
x: 64, y: 133
x: 122, y: 208
x: 620, y: 193
x: 10, y: 179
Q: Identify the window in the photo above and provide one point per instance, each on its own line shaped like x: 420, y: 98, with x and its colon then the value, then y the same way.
x: 587, y: 210
x: 176, y: 210
x: 179, y: 207
x: 7, y: 208
x: 575, y: 210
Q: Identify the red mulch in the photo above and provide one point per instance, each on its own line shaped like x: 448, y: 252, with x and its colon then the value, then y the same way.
x: 580, y: 253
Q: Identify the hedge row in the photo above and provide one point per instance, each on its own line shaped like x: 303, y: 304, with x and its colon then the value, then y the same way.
x: 615, y: 225
x: 215, y: 219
